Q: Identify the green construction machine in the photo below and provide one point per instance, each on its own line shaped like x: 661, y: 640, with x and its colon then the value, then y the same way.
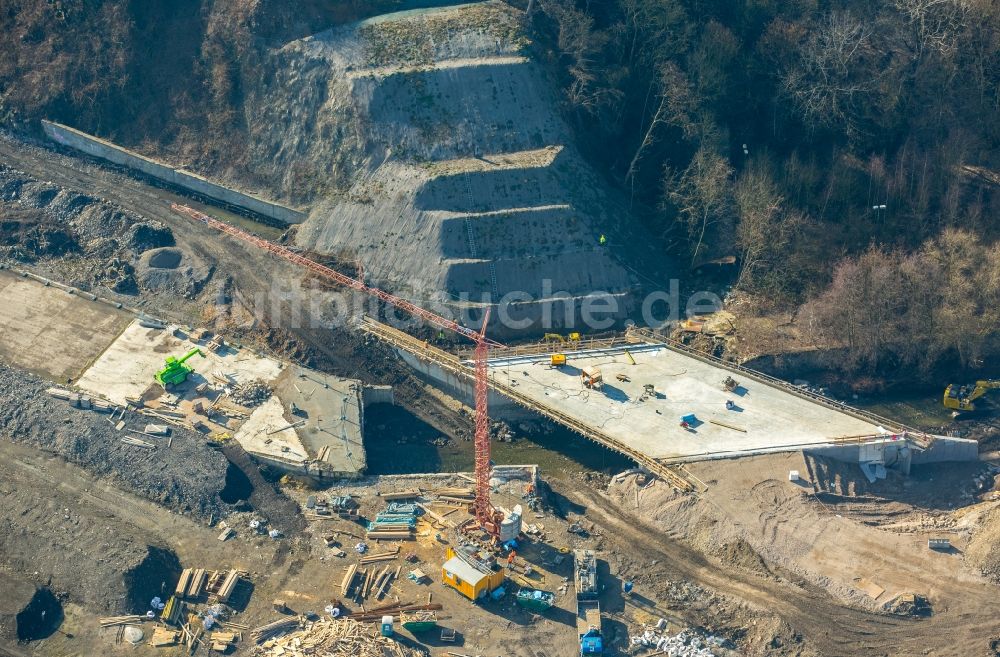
x: 175, y: 372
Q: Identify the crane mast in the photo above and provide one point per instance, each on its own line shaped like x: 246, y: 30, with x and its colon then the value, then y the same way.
x: 487, y: 515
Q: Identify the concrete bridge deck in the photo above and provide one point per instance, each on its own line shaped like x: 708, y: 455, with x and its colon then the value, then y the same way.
x: 769, y: 415
x: 763, y: 417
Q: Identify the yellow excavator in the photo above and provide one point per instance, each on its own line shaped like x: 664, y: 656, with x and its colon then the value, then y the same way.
x: 556, y: 337
x: 962, y: 397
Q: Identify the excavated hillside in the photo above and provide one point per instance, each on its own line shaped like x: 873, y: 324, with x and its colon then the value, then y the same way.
x: 431, y: 149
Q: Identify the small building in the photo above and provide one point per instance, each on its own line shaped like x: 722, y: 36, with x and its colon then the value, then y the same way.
x: 472, y: 581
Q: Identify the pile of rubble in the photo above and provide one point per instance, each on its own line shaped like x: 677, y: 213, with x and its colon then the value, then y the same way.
x: 51, y: 221
x: 188, y: 476
x: 682, y: 644
x: 501, y: 432
x: 251, y: 393
x: 336, y: 638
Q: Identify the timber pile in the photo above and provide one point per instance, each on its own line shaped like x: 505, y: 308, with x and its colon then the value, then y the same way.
x: 163, y: 637
x: 112, y: 621
x: 375, y: 557
x: 265, y: 632
x: 138, y: 442
x: 222, y: 641
x: 393, y: 535
x: 376, y: 614
x: 457, y: 495
x: 217, y: 584
x: 402, y: 495
x: 336, y: 638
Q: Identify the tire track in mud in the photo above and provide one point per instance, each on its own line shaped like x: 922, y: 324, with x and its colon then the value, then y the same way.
x: 826, y: 626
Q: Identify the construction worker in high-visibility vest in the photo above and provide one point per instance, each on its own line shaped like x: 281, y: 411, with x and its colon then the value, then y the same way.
x: 602, y: 240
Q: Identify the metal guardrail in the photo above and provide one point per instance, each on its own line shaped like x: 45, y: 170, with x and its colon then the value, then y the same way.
x: 567, y: 347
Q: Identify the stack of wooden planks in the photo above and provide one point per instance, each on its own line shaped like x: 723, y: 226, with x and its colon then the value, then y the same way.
x: 172, y: 611
x: 458, y: 495
x: 112, y: 621
x: 376, y: 614
x: 222, y: 584
x: 375, y: 557
x: 337, y: 638
x: 191, y: 584
x: 222, y: 641
x: 265, y: 632
x: 390, y: 534
x: 218, y: 584
x: 163, y: 637
x: 409, y: 494
x: 138, y: 442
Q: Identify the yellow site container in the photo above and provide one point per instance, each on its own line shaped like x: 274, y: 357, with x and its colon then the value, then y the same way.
x: 468, y: 580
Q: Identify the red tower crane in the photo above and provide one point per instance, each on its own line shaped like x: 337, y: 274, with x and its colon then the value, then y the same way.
x: 487, y: 515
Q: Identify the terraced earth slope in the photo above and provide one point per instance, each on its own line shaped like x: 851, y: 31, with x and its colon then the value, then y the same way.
x: 432, y: 150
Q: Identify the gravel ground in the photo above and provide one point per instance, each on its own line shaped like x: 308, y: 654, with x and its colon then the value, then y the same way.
x: 186, y: 477
x: 61, y: 529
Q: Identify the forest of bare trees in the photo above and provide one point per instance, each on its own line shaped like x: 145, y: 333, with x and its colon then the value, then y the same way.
x: 845, y: 153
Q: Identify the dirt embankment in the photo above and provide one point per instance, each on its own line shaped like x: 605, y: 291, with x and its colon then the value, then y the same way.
x: 187, y: 477
x: 832, y: 548
x: 984, y: 547
x: 93, y: 242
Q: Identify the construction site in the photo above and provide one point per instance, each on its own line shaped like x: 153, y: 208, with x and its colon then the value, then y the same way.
x: 196, y: 459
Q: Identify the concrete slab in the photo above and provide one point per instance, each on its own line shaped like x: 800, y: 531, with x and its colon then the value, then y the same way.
x: 764, y: 418
x: 327, y: 444
x: 127, y: 367
x: 50, y: 332
x: 332, y: 408
x: 265, y: 433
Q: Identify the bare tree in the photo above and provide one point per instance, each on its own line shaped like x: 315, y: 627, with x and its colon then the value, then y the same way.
x: 936, y: 23
x: 702, y: 195
x: 676, y: 106
x: 765, y: 228
x: 579, y: 41
x: 833, y: 72
x: 941, y: 302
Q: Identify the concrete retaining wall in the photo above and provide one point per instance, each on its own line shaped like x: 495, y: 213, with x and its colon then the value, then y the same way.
x: 948, y: 449
x: 377, y: 395
x: 187, y: 180
x: 943, y: 449
x: 501, y: 408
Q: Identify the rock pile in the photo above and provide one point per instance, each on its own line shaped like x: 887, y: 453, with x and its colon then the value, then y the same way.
x: 682, y: 644
x: 251, y: 393
x: 45, y: 221
x: 187, y: 477
x: 500, y: 432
